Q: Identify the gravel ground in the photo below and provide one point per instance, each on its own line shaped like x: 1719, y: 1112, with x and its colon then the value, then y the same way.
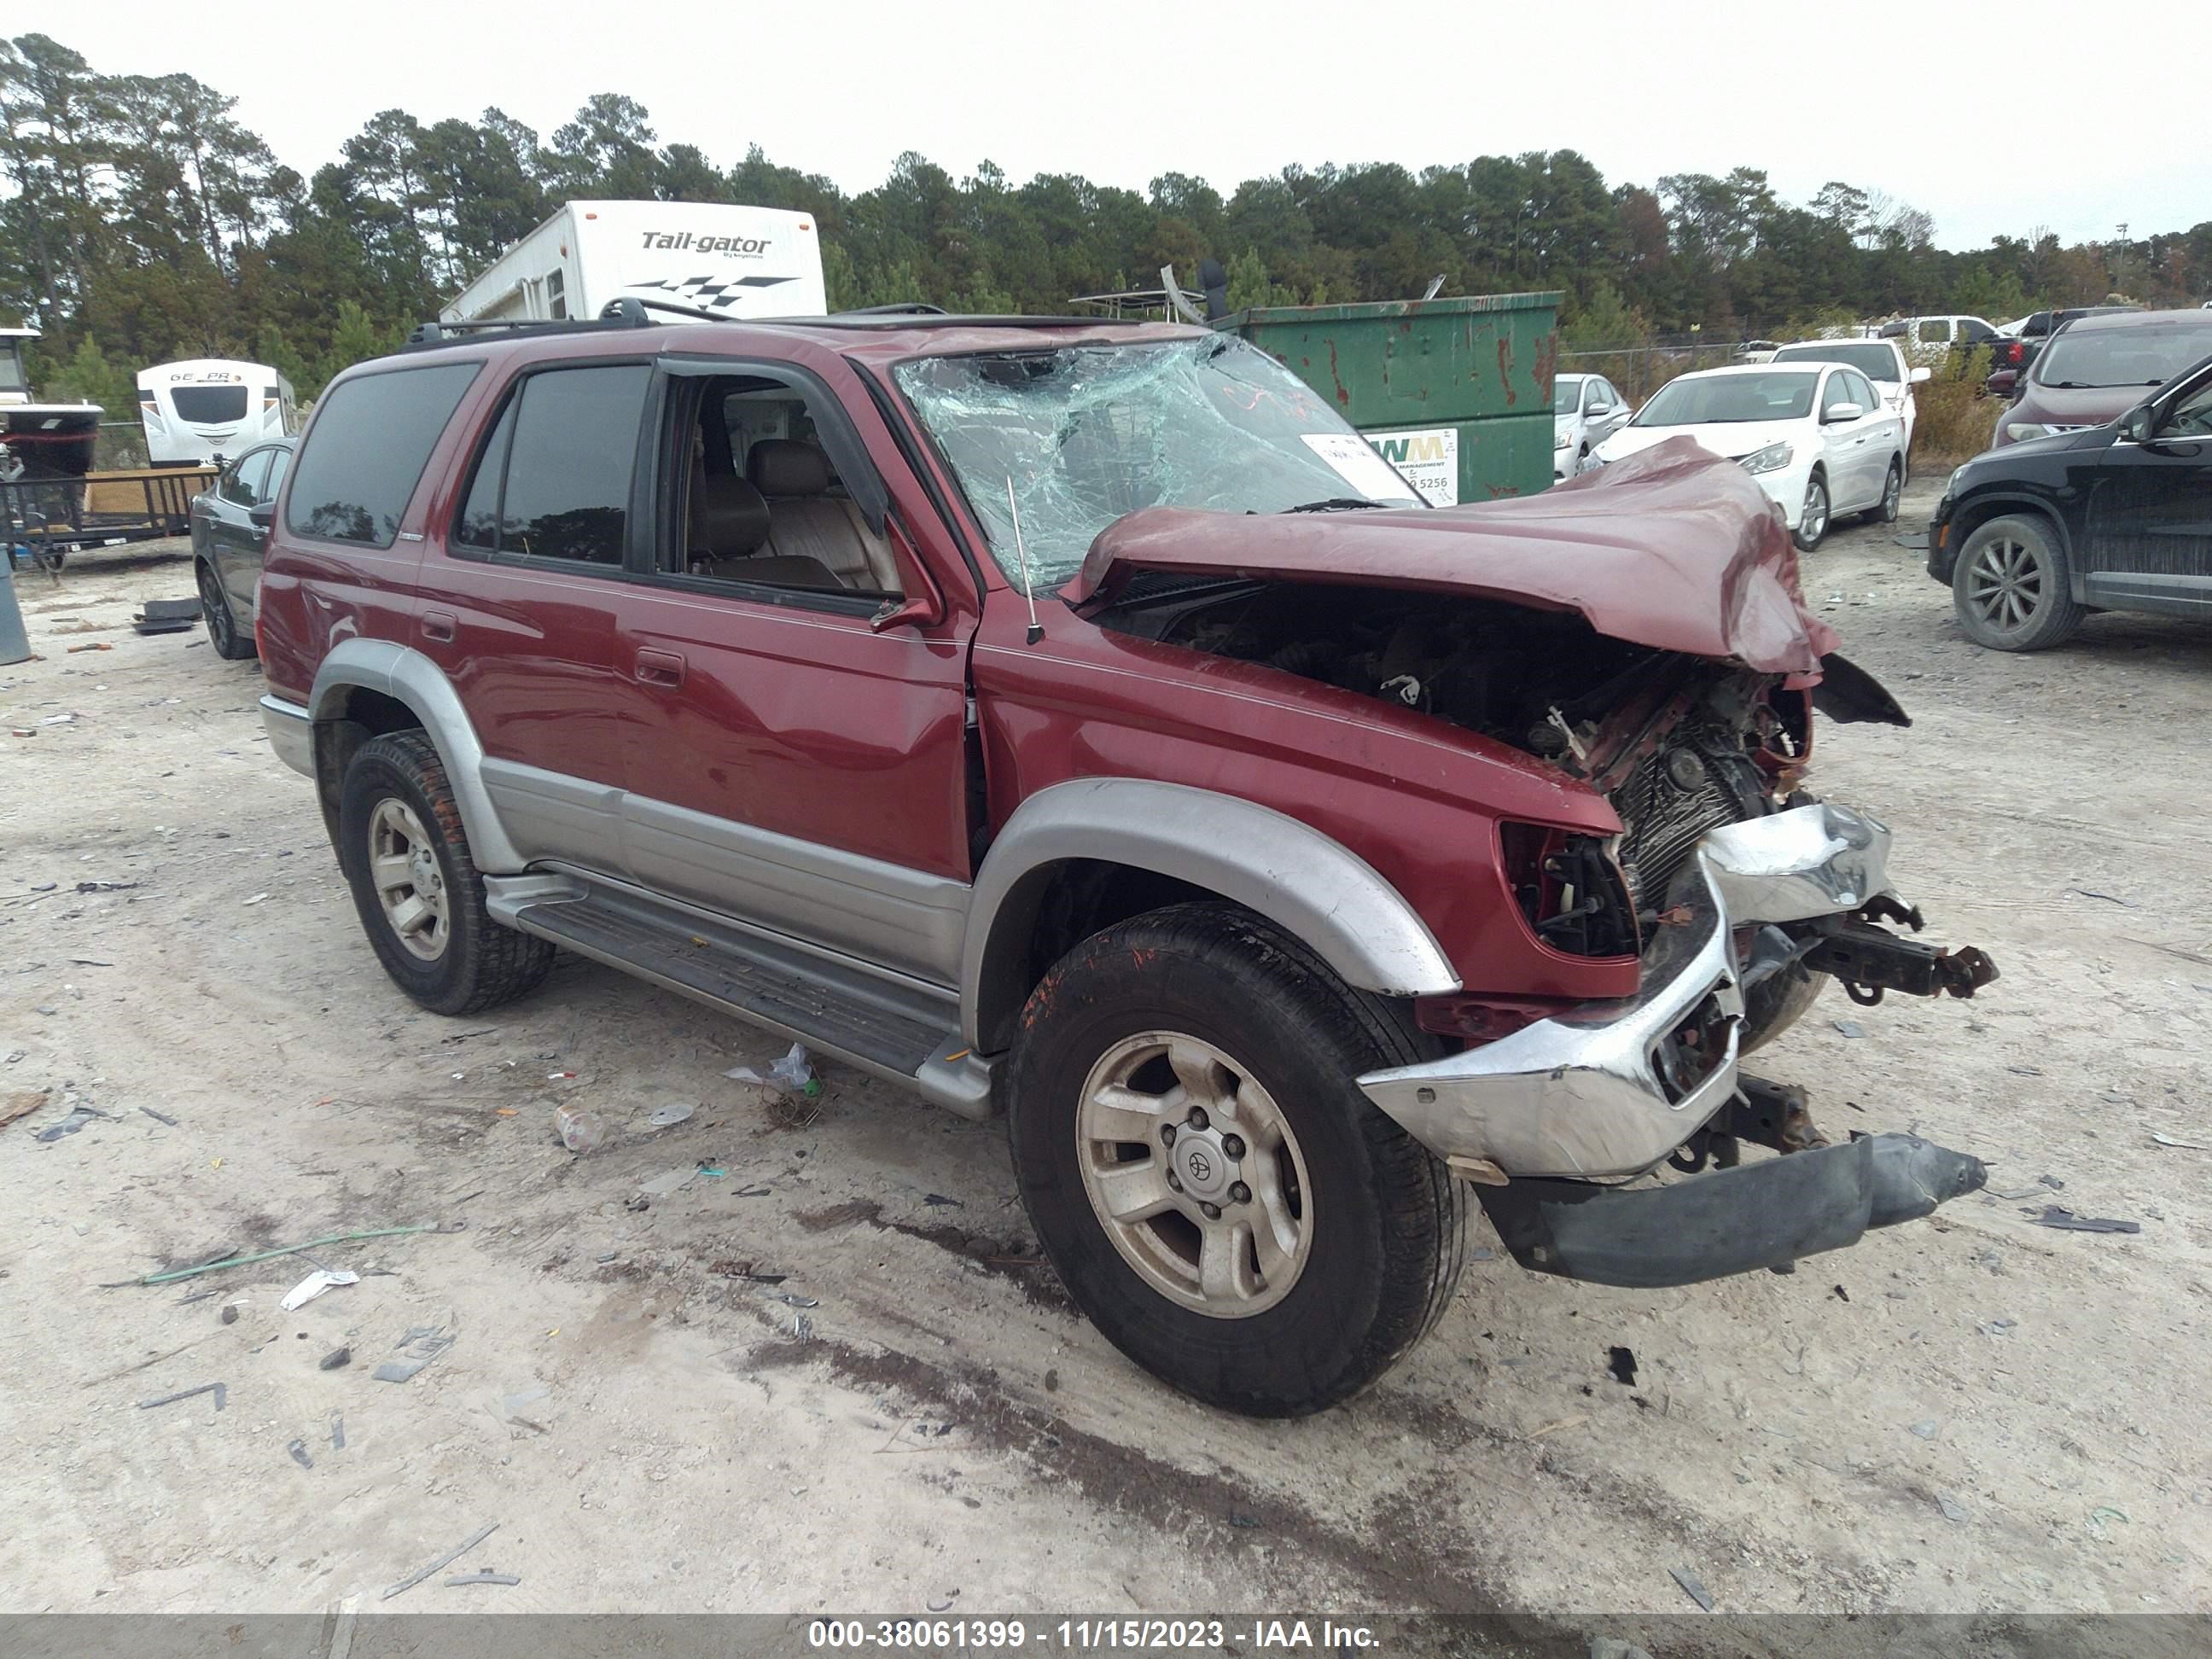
x: 1976, y: 1413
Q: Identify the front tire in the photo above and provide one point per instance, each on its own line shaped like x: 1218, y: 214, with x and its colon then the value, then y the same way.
x: 419, y: 896
x: 2010, y: 589
x: 1194, y: 1059
x: 1813, y: 517
x: 223, y: 632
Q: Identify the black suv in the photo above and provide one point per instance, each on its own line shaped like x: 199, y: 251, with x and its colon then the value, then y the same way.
x: 2033, y: 537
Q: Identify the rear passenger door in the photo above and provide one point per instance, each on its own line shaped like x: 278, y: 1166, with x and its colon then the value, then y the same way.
x: 520, y: 600
x: 802, y: 761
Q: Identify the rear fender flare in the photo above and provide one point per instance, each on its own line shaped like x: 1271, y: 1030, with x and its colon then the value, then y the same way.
x: 410, y: 678
x: 1313, y: 887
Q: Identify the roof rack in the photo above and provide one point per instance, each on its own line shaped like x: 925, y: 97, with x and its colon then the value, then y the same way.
x: 621, y: 314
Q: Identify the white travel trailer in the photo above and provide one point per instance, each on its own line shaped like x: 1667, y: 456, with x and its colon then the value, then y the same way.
x: 203, y: 407
x: 701, y: 255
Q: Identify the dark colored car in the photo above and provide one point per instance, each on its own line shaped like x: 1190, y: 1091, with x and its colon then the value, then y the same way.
x: 1080, y: 719
x: 227, y: 537
x: 2031, y: 537
x: 2094, y: 369
x: 2010, y: 354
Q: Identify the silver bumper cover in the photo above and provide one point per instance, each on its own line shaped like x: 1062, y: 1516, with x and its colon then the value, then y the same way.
x: 291, y: 733
x: 1582, y: 1094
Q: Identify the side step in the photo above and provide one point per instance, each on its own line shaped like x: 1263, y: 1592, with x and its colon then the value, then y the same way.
x: 893, y: 1028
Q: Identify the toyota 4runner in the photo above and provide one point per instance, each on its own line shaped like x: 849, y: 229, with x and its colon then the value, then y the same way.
x: 1080, y: 721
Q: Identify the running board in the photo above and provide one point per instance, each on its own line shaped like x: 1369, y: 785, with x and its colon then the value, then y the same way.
x: 897, y: 1029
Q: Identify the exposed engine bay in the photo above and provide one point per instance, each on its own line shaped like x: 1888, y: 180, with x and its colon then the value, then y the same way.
x: 1679, y: 744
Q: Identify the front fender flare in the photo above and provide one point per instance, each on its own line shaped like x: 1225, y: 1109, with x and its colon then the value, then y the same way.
x: 1314, y: 888
x: 412, y: 679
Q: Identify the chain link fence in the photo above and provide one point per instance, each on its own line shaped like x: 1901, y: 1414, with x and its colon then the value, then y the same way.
x: 1638, y: 371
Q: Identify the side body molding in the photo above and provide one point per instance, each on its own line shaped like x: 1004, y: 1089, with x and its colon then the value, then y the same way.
x: 1312, y: 886
x: 412, y: 679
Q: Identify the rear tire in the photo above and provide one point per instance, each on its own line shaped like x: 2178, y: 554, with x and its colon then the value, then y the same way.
x: 1892, y: 490
x: 420, y: 897
x: 215, y: 610
x: 2010, y: 589
x: 1351, y: 1233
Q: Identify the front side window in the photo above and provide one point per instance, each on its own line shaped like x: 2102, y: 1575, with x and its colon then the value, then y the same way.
x: 553, y: 479
x: 2192, y: 416
x: 240, y: 485
x: 1838, y: 390
x: 372, y: 438
x: 1082, y: 435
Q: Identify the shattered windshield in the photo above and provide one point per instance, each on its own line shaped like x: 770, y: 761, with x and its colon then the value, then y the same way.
x: 1086, y: 434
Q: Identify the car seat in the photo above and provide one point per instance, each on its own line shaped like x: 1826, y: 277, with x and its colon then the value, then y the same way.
x: 804, y: 521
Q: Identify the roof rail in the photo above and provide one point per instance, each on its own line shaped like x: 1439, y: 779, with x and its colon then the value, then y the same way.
x: 620, y: 314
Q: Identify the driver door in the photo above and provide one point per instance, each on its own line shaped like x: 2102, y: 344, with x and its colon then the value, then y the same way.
x: 2150, y: 514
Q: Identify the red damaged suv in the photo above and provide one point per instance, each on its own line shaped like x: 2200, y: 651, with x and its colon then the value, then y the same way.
x: 1079, y: 721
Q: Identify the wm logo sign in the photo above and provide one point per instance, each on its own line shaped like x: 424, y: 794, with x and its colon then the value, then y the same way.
x: 1414, y: 448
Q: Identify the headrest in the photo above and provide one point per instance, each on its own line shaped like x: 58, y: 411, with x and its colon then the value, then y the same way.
x: 728, y: 517
x: 785, y: 466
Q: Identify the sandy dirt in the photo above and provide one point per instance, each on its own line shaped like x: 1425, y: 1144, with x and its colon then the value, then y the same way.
x: 1975, y: 1414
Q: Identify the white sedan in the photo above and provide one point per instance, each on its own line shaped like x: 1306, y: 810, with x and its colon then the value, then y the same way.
x: 1586, y: 411
x: 1883, y: 364
x: 1817, y: 437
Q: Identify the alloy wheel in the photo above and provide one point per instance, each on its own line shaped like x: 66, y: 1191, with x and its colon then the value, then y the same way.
x: 2005, y: 584
x: 216, y: 610
x: 410, y: 887
x: 1813, y: 522
x: 1191, y: 1171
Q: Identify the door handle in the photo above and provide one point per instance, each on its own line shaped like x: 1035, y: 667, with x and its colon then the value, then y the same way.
x: 660, y: 668
x: 439, y: 625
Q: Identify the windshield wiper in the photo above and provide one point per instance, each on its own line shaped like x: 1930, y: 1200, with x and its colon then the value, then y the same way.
x: 1332, y: 504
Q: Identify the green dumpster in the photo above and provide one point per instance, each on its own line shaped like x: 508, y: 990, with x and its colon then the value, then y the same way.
x: 1456, y: 393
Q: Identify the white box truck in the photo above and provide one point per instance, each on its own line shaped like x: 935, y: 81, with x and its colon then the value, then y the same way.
x: 702, y: 256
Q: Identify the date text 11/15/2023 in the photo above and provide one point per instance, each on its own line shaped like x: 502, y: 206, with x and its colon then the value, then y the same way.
x: 1070, y: 1635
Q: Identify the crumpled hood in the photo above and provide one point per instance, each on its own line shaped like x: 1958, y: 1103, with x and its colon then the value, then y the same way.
x: 1673, y: 548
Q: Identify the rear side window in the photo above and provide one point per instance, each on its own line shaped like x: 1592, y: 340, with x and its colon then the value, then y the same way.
x: 371, y: 441
x: 554, y: 480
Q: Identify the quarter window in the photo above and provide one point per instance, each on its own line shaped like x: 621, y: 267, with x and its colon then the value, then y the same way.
x: 554, y: 480
x: 1934, y: 330
x: 372, y: 438
x: 280, y: 462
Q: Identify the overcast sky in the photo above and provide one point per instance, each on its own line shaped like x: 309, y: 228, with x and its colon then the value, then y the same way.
x: 1995, y: 118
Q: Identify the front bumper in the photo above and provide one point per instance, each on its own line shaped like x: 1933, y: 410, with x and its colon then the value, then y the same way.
x: 1600, y: 1092
x: 291, y: 733
x: 1786, y: 486
x: 1943, y: 550
x: 1766, y: 1214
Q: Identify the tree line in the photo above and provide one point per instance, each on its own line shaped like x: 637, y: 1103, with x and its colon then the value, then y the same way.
x: 141, y: 222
